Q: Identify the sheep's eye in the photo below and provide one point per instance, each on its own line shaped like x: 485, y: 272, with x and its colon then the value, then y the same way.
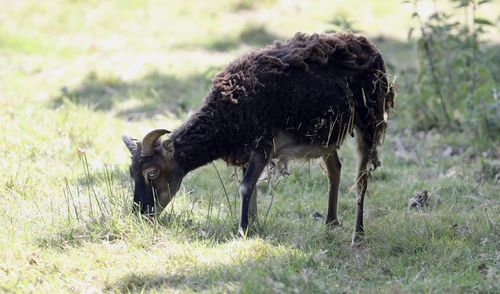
x: 153, y: 174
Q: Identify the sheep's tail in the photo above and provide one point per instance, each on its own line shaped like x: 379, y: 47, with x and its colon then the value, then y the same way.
x: 375, y: 101
x: 384, y: 92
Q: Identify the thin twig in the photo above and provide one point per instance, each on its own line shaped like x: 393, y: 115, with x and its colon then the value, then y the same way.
x: 435, y: 79
x: 474, y: 49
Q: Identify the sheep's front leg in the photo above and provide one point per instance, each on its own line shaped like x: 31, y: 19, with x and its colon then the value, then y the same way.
x: 333, y: 167
x: 256, y: 165
x: 252, y: 209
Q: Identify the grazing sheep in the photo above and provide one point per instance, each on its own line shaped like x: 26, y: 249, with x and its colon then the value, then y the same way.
x: 297, y: 99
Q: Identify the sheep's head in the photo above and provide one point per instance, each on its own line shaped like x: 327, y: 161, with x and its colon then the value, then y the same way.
x: 155, y: 173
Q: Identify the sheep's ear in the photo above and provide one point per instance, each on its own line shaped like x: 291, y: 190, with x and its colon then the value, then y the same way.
x: 130, y: 143
x: 167, y: 148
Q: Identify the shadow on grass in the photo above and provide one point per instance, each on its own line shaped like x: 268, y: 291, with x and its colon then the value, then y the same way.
x: 155, y: 93
x: 218, y: 275
x: 195, y: 280
x: 256, y: 36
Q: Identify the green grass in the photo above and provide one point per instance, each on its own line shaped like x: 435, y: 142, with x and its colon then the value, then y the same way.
x: 75, y: 75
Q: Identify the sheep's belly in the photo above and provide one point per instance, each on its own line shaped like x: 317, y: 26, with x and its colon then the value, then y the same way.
x: 286, y: 148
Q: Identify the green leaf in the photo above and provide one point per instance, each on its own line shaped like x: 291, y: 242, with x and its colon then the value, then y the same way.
x: 483, y: 2
x: 483, y: 21
x: 435, y: 15
x: 462, y: 3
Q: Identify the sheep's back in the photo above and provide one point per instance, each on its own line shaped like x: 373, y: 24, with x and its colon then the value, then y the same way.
x: 314, y: 86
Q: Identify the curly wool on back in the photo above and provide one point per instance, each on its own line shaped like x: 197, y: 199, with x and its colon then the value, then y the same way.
x: 318, y: 88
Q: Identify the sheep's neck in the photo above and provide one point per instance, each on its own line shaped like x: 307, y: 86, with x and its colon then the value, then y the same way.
x: 198, y: 141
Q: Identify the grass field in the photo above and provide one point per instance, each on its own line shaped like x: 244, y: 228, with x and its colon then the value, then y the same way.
x: 76, y: 75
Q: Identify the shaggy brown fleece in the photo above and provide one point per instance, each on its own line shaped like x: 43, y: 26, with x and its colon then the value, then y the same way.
x: 317, y: 87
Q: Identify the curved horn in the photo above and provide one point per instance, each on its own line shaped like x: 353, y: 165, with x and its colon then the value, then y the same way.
x: 149, y: 141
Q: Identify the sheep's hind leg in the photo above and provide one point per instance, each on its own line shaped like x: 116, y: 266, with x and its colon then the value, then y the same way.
x: 333, y: 166
x: 256, y: 165
x: 361, y: 186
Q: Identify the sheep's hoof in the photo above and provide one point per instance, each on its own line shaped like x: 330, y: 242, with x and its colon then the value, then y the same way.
x: 334, y: 224
x: 357, y: 240
x: 243, y: 232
